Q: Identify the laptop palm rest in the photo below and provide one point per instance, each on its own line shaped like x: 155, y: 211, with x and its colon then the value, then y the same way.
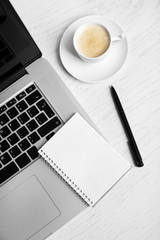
x: 21, y: 221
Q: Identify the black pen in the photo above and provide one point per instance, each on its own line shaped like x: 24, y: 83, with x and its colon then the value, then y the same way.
x: 131, y: 140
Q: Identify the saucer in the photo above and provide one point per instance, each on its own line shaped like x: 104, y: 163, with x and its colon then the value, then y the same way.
x: 93, y: 72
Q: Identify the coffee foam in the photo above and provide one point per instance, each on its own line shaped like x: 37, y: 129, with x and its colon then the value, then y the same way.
x: 93, y: 41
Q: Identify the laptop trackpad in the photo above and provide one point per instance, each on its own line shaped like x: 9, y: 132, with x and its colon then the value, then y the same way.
x: 26, y: 210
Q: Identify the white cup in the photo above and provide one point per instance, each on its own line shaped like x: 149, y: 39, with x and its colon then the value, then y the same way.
x: 92, y: 41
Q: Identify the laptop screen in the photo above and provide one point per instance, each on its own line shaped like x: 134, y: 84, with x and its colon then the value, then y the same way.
x: 17, y: 48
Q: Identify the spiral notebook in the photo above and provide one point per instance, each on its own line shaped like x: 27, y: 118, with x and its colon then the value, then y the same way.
x: 83, y: 159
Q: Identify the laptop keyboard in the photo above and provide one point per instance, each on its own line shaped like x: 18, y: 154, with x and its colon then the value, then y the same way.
x: 27, y: 121
x: 5, y: 53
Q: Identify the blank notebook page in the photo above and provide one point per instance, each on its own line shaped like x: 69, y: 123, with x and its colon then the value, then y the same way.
x: 84, y: 159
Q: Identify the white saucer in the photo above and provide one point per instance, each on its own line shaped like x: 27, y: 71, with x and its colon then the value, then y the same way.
x: 92, y: 72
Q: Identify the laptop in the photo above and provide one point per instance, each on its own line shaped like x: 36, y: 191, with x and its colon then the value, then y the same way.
x: 34, y: 105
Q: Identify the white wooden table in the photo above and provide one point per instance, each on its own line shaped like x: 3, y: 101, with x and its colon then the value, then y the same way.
x: 131, y: 210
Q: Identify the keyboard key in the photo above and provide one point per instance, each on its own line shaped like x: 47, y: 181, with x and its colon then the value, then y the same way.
x: 41, y: 118
x: 32, y: 111
x: 2, y: 109
x: 4, y: 131
x: 4, y: 53
x: 1, y: 166
x: 14, y: 124
x: 20, y: 95
x: 33, y: 97
x: 1, y: 45
x: 8, y: 171
x: 23, y: 160
x: 33, y: 138
x: 49, y: 135
x: 1, y: 63
x: 11, y: 102
x: 43, y: 106
x: 23, y: 118
x: 12, y: 112
x: 13, y: 139
x: 30, y: 88
x: 32, y: 125
x: 49, y: 126
x: 14, y: 151
x: 4, y: 146
x: 3, y: 119
x: 8, y: 58
x: 33, y: 153
x: 24, y: 144
x: 22, y: 132
x: 5, y: 158
x: 22, y: 105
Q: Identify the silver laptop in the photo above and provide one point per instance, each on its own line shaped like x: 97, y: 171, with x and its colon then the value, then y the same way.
x: 34, y: 105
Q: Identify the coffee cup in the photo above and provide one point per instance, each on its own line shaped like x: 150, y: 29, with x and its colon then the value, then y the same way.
x: 92, y: 41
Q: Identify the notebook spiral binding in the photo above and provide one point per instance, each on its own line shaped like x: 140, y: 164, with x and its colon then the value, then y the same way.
x: 66, y: 178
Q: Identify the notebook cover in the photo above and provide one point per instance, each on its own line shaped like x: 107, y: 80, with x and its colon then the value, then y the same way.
x: 84, y: 159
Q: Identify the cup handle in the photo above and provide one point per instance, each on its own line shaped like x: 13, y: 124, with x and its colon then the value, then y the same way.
x: 118, y: 37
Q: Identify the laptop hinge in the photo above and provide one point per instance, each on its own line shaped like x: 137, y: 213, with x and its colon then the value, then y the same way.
x: 12, y: 75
